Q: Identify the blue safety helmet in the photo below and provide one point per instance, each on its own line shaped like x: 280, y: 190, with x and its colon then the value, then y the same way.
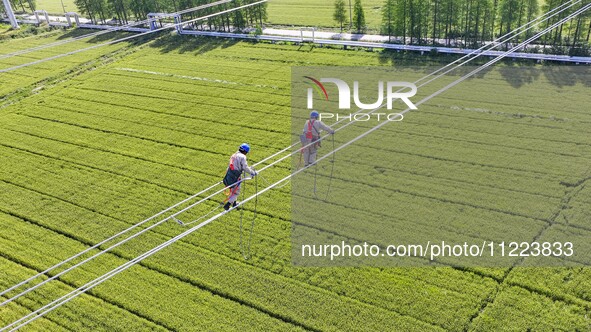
x: 244, y: 148
x: 314, y: 114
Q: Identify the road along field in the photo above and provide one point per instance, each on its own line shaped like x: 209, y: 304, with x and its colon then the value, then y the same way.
x: 102, y: 150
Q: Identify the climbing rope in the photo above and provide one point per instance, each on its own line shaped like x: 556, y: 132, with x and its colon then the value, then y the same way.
x: 331, y: 173
x: 331, y: 170
x: 315, y: 176
x: 200, y: 218
x: 246, y: 254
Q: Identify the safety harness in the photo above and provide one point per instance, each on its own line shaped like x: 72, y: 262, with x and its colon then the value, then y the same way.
x: 231, y: 178
x: 310, y: 135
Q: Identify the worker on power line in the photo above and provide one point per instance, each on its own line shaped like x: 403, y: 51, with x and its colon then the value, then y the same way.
x: 311, y: 134
x: 237, y: 166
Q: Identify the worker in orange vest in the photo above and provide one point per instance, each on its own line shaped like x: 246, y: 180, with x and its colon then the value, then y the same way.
x: 237, y: 166
x: 311, y: 134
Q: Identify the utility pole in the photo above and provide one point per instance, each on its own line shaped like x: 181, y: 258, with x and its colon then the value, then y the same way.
x: 10, y: 14
x: 63, y: 7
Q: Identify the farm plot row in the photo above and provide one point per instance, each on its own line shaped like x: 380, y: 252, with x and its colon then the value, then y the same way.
x: 566, y: 81
x: 471, y: 152
x: 96, y: 189
x: 156, y: 150
x: 183, y: 89
x: 102, y: 186
x: 207, y: 110
x: 517, y: 181
x: 105, y: 316
x: 440, y: 189
x: 63, y: 179
x: 176, y: 308
x: 323, y: 280
x: 409, y: 163
x: 534, y: 115
x: 218, y: 157
x: 164, y: 78
x: 565, y: 138
x: 108, y: 192
x: 171, y: 136
x: 267, y: 291
x: 304, y: 55
x: 523, y: 310
x: 57, y: 69
x: 242, y: 71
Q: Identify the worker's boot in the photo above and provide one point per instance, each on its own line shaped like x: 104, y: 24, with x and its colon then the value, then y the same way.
x: 235, y: 204
x: 227, y: 206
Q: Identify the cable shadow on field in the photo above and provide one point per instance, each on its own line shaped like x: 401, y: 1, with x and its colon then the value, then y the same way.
x: 105, y: 37
x: 389, y: 57
x: 191, y: 44
x: 518, y: 76
x: 560, y: 76
x: 566, y: 76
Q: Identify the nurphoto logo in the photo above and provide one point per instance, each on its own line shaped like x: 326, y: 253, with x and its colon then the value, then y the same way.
x: 388, y: 91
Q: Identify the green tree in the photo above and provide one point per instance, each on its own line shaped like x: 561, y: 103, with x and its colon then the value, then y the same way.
x: 509, y: 12
x: 418, y: 20
x: 24, y: 5
x: 388, y: 18
x: 532, y: 12
x: 450, y: 17
x: 484, y: 16
x: 436, y: 21
x: 340, y: 13
x: 358, y: 17
x: 262, y: 13
x: 119, y: 7
x: 238, y: 19
x: 86, y: 8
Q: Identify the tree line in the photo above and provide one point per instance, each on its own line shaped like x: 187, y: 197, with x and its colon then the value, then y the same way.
x: 24, y: 6
x: 126, y: 10
x: 471, y: 23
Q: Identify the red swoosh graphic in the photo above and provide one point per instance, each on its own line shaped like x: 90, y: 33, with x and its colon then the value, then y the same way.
x: 319, y: 84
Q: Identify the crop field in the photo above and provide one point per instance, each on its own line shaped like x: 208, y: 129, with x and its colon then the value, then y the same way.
x: 29, y: 80
x: 281, y: 12
x: 319, y: 13
x: 138, y: 128
x: 55, y: 6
